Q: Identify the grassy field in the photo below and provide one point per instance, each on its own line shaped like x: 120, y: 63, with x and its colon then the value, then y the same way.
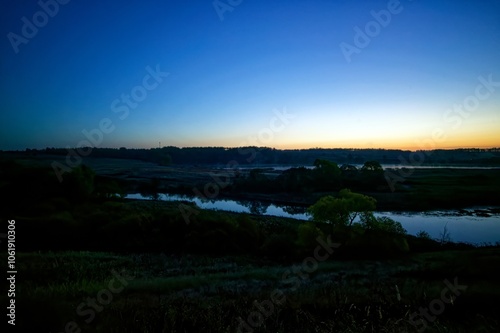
x: 89, y: 261
x: 455, y: 187
x: 164, y: 293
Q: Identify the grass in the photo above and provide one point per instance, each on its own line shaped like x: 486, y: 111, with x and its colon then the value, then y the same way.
x: 453, y: 188
x: 171, y: 294
x: 223, y: 266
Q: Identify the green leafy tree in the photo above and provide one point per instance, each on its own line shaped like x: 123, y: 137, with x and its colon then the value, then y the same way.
x: 341, y: 210
x: 382, y: 223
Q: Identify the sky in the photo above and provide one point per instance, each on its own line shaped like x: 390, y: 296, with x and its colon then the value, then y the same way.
x: 403, y: 74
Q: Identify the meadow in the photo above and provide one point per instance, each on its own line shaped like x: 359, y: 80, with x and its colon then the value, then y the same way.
x: 168, y: 293
x: 91, y: 261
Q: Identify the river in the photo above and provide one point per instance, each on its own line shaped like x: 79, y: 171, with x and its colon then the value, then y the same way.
x: 474, y: 225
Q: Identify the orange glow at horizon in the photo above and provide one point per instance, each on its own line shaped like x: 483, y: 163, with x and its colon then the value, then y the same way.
x: 413, y: 145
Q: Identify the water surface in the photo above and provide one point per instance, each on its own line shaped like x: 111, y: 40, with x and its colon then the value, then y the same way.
x: 474, y: 225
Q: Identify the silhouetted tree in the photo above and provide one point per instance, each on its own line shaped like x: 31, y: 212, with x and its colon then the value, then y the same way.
x: 327, y: 174
x: 372, y: 166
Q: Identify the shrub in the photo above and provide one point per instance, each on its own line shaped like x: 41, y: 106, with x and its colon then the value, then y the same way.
x: 307, y: 235
x: 382, y: 223
x: 423, y: 234
x: 376, y: 244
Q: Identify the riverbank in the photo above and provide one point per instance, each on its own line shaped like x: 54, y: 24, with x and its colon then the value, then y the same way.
x: 404, y: 189
x: 421, y: 189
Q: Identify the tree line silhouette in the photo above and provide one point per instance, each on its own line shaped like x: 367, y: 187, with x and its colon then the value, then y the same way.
x: 171, y: 155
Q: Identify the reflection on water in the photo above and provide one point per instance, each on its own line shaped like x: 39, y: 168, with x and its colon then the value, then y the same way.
x: 470, y: 229
x: 471, y: 225
x: 244, y: 206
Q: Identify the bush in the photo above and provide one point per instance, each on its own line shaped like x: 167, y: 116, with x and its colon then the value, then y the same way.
x: 307, y: 235
x: 401, y: 244
x: 423, y: 234
x: 382, y: 223
x: 376, y: 244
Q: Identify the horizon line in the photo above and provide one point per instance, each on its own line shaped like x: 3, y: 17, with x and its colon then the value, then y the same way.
x: 259, y: 147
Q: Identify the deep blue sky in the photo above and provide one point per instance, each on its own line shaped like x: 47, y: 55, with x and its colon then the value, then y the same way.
x: 227, y: 78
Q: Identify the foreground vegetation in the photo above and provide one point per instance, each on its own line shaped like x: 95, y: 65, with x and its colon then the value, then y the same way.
x: 190, y: 293
x: 89, y: 260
